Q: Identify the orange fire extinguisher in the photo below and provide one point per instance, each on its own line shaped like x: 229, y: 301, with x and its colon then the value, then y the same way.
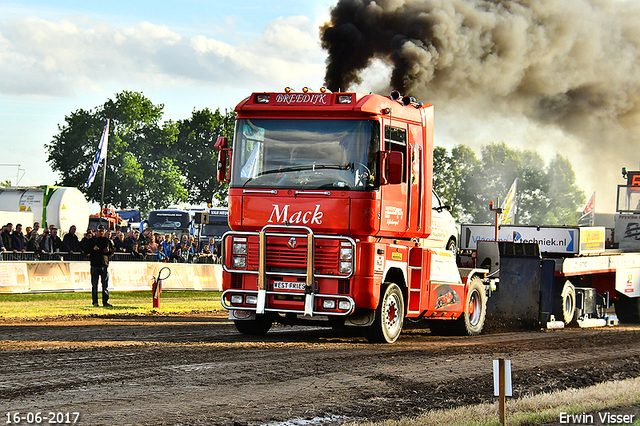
x: 156, y: 287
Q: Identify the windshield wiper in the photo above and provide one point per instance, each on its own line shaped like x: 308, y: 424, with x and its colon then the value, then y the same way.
x: 266, y: 172
x: 300, y: 169
x: 314, y: 167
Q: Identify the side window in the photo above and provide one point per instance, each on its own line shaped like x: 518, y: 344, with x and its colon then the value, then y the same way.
x: 435, y: 201
x: 395, y: 139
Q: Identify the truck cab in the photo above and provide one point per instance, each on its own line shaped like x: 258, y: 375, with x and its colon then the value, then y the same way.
x: 217, y: 225
x: 331, y: 207
x: 169, y: 221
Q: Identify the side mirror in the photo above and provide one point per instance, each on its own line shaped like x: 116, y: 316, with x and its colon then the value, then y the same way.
x: 391, y: 167
x: 221, y: 143
x: 223, y: 158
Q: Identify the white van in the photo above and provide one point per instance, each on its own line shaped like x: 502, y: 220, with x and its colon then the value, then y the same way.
x: 444, y: 232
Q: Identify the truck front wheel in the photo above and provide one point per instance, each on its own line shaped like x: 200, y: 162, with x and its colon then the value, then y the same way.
x: 389, y: 316
x: 254, y: 327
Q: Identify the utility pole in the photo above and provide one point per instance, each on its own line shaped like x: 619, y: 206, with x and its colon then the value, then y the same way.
x: 18, y: 175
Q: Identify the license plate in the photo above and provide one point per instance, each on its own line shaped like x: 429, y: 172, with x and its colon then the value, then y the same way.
x: 289, y: 285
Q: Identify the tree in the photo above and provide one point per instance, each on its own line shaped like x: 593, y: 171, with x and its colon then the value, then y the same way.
x: 150, y: 164
x: 455, y: 180
x: 564, y: 194
x: 197, y: 157
x: 545, y: 195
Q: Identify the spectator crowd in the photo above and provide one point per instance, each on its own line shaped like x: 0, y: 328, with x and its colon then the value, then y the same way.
x: 148, y: 246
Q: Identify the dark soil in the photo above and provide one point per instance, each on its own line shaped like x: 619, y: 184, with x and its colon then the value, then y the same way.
x: 195, y: 370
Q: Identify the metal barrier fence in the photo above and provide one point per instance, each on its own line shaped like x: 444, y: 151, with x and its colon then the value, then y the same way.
x: 63, y: 276
x: 77, y: 257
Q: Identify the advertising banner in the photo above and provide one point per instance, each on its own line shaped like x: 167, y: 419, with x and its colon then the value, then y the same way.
x: 80, y: 276
x: 13, y: 277
x: 26, y: 277
x: 49, y: 276
x: 129, y: 276
x: 189, y: 276
x: 627, y: 231
x: 551, y: 239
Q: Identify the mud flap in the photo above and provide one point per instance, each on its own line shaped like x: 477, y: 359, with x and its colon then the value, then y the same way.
x: 262, y: 299
x: 308, y: 302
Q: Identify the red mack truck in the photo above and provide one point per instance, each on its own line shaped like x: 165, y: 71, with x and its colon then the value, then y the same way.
x: 330, y: 207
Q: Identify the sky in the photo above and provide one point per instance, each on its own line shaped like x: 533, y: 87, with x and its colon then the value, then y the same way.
x: 61, y: 56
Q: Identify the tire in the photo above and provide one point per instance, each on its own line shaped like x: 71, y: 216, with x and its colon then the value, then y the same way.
x: 389, y: 316
x: 472, y: 320
x: 565, y: 304
x: 627, y: 308
x: 255, y: 327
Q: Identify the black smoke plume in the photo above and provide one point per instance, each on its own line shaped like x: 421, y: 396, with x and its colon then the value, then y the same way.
x: 574, y: 64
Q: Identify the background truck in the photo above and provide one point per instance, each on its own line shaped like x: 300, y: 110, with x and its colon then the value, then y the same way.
x: 215, y: 226
x: 109, y: 219
x: 627, y: 218
x: 170, y: 221
x: 330, y: 204
x: 50, y: 205
x: 552, y: 276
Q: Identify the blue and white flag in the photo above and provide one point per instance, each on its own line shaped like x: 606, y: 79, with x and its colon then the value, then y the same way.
x: 100, y: 155
x: 508, y: 215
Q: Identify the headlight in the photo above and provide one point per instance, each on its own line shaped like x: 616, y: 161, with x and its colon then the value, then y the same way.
x: 346, y: 253
x: 240, y: 246
x: 344, y: 305
x: 346, y: 267
x: 251, y: 300
x: 239, y: 262
x: 236, y: 299
x: 328, y: 304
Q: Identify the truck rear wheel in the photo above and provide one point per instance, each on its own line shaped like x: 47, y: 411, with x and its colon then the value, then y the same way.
x: 565, y: 304
x: 389, y: 316
x: 471, y: 322
x: 255, y: 327
x: 627, y: 308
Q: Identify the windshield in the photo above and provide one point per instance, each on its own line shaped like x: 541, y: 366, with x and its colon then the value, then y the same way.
x: 305, y: 154
x: 212, y: 230
x: 169, y: 221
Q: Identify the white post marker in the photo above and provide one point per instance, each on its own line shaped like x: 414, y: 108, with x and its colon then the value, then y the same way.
x: 502, y: 384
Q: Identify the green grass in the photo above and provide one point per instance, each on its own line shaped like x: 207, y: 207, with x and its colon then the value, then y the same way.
x: 534, y: 409
x: 48, y: 305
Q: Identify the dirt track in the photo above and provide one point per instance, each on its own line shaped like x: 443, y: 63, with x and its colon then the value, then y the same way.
x: 199, y: 370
